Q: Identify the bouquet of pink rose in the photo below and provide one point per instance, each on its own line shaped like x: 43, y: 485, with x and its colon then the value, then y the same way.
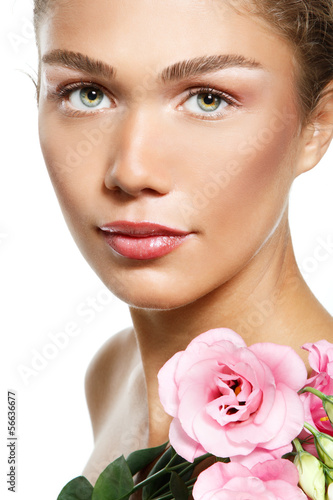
x: 251, y: 410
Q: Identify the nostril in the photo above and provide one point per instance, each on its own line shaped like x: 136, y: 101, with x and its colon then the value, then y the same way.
x: 121, y: 193
x: 132, y: 178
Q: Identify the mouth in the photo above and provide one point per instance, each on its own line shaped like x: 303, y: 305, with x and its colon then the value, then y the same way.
x: 142, y: 240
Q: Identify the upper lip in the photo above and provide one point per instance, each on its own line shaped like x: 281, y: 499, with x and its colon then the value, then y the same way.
x: 144, y: 228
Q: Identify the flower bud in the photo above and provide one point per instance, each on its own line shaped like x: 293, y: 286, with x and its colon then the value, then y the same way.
x: 328, y: 407
x: 311, y: 475
x: 324, y: 445
x: 329, y: 477
x: 330, y: 492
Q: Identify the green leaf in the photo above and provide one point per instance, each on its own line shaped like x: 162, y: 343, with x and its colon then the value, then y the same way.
x: 115, y: 482
x: 161, y: 484
x: 147, y: 491
x: 138, y: 460
x: 77, y: 489
x: 223, y: 460
x: 178, y: 488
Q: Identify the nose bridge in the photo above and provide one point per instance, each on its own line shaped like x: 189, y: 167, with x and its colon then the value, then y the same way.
x: 138, y: 160
x: 136, y: 134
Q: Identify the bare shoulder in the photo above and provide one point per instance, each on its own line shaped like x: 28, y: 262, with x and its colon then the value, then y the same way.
x: 122, y: 343
x: 106, y: 371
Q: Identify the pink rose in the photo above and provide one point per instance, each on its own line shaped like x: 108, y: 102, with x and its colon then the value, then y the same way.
x: 272, y: 480
x: 321, y: 362
x: 231, y: 400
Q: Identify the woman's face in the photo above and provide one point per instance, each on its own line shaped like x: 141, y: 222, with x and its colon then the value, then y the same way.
x: 207, y: 148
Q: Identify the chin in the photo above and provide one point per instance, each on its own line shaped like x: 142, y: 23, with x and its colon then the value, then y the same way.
x: 150, y: 300
x: 149, y: 297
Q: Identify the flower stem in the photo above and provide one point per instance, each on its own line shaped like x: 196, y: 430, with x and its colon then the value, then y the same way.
x: 313, y: 391
x: 167, y: 469
x: 195, y: 462
x: 172, y: 459
x: 311, y: 429
x: 298, y: 445
x: 149, y: 480
x: 166, y: 496
x: 169, y: 496
x: 182, y: 472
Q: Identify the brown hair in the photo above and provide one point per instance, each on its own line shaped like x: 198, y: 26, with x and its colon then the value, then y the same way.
x: 306, y: 24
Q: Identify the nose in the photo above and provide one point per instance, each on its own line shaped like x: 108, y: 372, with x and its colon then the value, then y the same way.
x: 138, y: 161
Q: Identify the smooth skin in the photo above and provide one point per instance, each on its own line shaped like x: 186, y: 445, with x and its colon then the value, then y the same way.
x: 223, y: 175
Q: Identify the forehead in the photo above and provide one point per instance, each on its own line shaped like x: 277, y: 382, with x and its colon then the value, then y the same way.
x: 156, y: 33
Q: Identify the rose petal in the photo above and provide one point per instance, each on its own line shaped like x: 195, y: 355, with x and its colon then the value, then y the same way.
x: 183, y: 444
x: 280, y: 358
x: 211, y: 436
x: 321, y: 353
x: 294, y: 418
x: 168, y: 389
x: 276, y: 480
x: 216, y: 476
x: 216, y: 335
x: 284, y: 491
x: 260, y: 456
x: 276, y: 469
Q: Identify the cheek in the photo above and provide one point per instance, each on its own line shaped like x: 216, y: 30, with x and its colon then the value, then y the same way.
x: 240, y: 166
x: 238, y: 184
x: 76, y: 163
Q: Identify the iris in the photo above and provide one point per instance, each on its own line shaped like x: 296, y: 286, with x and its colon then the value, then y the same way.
x: 91, y: 97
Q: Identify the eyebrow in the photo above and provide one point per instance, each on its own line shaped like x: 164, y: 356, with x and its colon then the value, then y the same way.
x: 177, y: 71
x: 81, y: 62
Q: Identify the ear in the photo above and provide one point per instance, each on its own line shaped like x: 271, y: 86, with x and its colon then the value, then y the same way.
x: 317, y: 135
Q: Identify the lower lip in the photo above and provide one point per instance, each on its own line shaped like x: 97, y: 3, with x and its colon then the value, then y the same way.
x: 143, y: 248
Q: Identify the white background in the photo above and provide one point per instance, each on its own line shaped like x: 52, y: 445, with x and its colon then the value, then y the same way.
x: 45, y: 282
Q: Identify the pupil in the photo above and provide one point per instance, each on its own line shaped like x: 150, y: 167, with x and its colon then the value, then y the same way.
x: 92, y: 95
x: 209, y: 99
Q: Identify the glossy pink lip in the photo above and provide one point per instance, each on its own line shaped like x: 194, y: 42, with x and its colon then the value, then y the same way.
x: 142, y: 240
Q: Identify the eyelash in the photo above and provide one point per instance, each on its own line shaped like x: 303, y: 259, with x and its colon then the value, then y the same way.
x: 63, y: 92
x: 231, y: 101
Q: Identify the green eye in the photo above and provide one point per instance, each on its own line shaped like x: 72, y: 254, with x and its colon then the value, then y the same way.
x: 208, y: 102
x: 91, y: 97
x: 88, y: 99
